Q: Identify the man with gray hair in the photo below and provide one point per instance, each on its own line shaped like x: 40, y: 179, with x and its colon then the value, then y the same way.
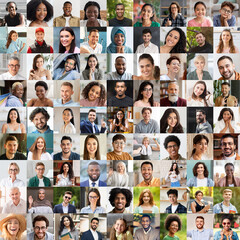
x: 15, y: 98
x: 13, y: 69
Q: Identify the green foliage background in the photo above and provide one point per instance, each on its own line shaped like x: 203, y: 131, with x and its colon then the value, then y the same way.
x: 111, y: 8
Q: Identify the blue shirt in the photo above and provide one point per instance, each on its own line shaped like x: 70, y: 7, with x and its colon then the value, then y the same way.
x: 88, y: 209
x: 47, y: 131
x: 217, y: 236
x: 192, y: 182
x: 217, y: 21
x: 73, y: 156
x: 71, y: 103
x: 13, y: 47
x: 73, y: 74
x: 218, y: 208
x: 205, y: 234
x: 13, y: 101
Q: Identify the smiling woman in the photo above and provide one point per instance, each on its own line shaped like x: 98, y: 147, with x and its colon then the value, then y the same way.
x: 172, y: 224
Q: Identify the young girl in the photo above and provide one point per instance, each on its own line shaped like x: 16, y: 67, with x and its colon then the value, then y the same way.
x: 13, y: 43
x: 68, y: 119
x: 94, y: 94
x: 200, y: 20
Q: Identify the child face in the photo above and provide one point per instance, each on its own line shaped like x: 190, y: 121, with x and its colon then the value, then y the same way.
x: 200, y: 11
x: 118, y: 145
x: 94, y: 93
x: 226, y: 12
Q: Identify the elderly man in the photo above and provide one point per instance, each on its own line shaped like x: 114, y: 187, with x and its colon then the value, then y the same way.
x: 15, y: 98
x: 13, y: 69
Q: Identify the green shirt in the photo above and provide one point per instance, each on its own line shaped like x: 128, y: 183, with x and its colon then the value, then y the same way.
x: 193, y: 76
x: 167, y: 237
x: 154, y: 24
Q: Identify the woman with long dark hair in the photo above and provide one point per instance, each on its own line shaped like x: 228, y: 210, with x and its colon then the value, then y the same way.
x: 92, y: 148
x: 65, y: 176
x: 174, y: 175
x: 200, y: 147
x: 119, y: 123
x: 67, y: 226
x: 68, y: 119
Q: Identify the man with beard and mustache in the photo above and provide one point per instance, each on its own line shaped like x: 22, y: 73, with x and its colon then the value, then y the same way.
x: 93, y: 174
x: 120, y: 99
x: 120, y: 74
x: 203, y: 45
x: 227, y: 69
x: 39, y: 118
x: 200, y: 232
x: 228, y: 147
x: 203, y: 126
x: 173, y: 99
x: 65, y: 206
x: 147, y: 231
x: 92, y: 233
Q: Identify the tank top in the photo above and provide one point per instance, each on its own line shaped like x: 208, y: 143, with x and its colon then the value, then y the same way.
x: 199, y: 207
x: 11, y: 131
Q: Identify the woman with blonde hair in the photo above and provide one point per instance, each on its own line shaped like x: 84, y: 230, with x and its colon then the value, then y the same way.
x: 119, y: 230
x: 38, y: 150
x: 12, y: 227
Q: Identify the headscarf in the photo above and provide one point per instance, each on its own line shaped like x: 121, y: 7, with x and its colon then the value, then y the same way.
x: 113, y: 47
x: 44, y: 202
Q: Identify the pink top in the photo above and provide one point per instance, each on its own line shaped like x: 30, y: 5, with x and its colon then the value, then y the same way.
x: 193, y: 23
x: 76, y: 50
x: 227, y: 50
x: 87, y: 103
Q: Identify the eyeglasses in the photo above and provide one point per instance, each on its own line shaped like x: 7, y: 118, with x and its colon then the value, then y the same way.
x: 226, y: 223
x: 93, y: 197
x: 228, y: 143
x: 40, y: 169
x: 69, y: 63
x: 38, y: 228
x: 147, y: 89
x: 68, y: 197
x: 172, y: 146
x: 13, y: 170
x: 226, y: 11
x: 14, y: 66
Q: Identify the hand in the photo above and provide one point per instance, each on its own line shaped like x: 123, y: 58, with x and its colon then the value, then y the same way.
x: 92, y: 70
x: 222, y: 234
x: 30, y: 200
x: 120, y: 49
x: 169, y: 23
x: 207, y: 207
x: 156, y: 104
x: 110, y: 172
x: 24, y: 45
x: 103, y: 124
x: 223, y: 101
x: 84, y: 50
x: 236, y: 103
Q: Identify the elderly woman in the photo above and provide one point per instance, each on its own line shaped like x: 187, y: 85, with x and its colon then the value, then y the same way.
x: 118, y: 178
x: 199, y: 73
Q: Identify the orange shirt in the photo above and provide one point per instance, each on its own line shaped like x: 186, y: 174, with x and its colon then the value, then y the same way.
x: 155, y: 182
x: 237, y: 76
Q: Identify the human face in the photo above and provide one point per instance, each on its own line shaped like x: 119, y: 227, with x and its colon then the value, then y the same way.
x: 174, y: 66
x: 41, y: 193
x: 93, y: 198
x: 225, y: 90
x: 13, y: 171
x: 200, y: 117
x: 92, y: 116
x: 39, y: 62
x: 40, y: 121
x: 92, y: 146
x: 65, y: 168
x: 228, y: 147
x: 40, y: 92
x: 13, y: 226
x: 93, y: 38
x: 147, y: 37
x: 11, y: 9
x: 118, y: 145
x: 227, y: 196
x: 120, y: 115
x: 199, y: 64
x: 119, y: 39
x: 147, y: 172
x: 94, y: 224
x: 174, y: 9
x: 120, y: 65
x: 172, y: 149
x: 66, y: 222
x: 120, y: 88
x: 200, y: 11
x: 15, y: 196
x: 173, y: 228
x: 39, y: 36
x: 66, y: 93
x: 146, y: 198
x: 226, y: 224
x: 172, y: 120
x: 121, y: 168
x: 69, y: 65
x: 13, y: 115
x: 146, y: 142
x: 94, y: 93
x: 201, y: 147
x: 226, y: 36
x: 199, y: 223
x: 173, y: 89
x: 119, y: 226
x: 40, y: 229
x: 14, y: 37
x: 120, y: 202
x: 200, y: 39
x: 200, y: 169
x: 226, y: 116
x: 13, y: 67
x: 225, y: 11
x: 40, y: 144
x: 199, y: 89
x: 94, y: 172
x: 146, y: 115
x: 40, y: 171
x: 147, y: 13
x: 92, y: 62
x: 226, y: 68
x: 66, y: 146
x: 145, y: 221
x: 92, y: 13
x: 67, y: 9
x: 67, y: 116
x: 18, y: 91
x: 11, y: 147
x: 146, y: 68
x: 147, y: 92
x: 229, y: 170
x: 172, y: 198
x: 67, y: 198
x: 199, y: 196
x: 120, y: 11
x: 41, y: 12
x: 66, y: 39
x: 172, y: 38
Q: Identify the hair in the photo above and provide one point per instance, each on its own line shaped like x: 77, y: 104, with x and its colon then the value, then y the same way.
x: 171, y: 218
x: 91, y: 3
x: 225, y: 83
x: 66, y: 138
x: 115, y: 191
x: 147, y: 162
x: 85, y: 151
x: 62, y: 49
x: 201, y: 217
x: 32, y: 7
x: 197, y: 192
x: 34, y: 66
x: 146, y: 109
x: 176, y: 170
x: 70, y: 110
x: 172, y: 191
x: 146, y: 138
x: 202, y: 111
x: 146, y: 215
x: 13, y: 58
x: 171, y: 59
x: 11, y: 138
x: 18, y: 115
x: 68, y: 192
x: 171, y: 138
x: 90, y: 56
x: 164, y: 125
x: 41, y: 84
x: 122, y: 163
x: 39, y: 110
x: 40, y: 218
x: 228, y: 136
x: 199, y: 2
x: 234, y: 182
x: 178, y: 7
x: 199, y: 57
x: 146, y: 30
x: 14, y: 164
x: 224, y: 57
x: 147, y: 56
x: 140, y: 199
x: 221, y: 45
x: 118, y: 137
x: 153, y: 10
x: 119, y: 4
x: 14, y: 86
x: 67, y: 2
x: 197, y: 139
x: 87, y: 88
x: 227, y: 216
x: 68, y: 84
x: 93, y: 30
x: 7, y: 5
x: 33, y: 148
x: 117, y: 128
x: 96, y: 219
x: 141, y: 89
x: 225, y: 110
x: 70, y: 171
x: 39, y: 164
x: 91, y: 110
x: 180, y: 47
x: 204, y: 94
x: 72, y: 226
x: 229, y: 4
x: 95, y: 190
x: 206, y: 173
x: 9, y: 40
x: 124, y: 233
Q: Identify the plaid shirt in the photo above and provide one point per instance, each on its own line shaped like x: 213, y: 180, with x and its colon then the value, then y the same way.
x: 180, y: 209
x: 178, y: 22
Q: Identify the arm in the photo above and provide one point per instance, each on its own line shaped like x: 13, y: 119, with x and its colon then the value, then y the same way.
x: 48, y: 75
x: 137, y: 151
x: 158, y: 146
x: 193, y: 207
x: 30, y: 103
x: 4, y: 128
x: 22, y: 21
x: 22, y: 47
x: 22, y: 127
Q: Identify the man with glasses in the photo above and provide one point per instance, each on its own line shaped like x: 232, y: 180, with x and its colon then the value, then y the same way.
x: 65, y: 206
x: 40, y: 226
x: 39, y: 180
x: 13, y: 69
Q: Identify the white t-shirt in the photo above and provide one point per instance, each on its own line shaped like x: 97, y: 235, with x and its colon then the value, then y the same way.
x: 202, y: 182
x: 174, y: 208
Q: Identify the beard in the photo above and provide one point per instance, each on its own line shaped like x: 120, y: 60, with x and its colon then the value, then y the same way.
x: 173, y: 97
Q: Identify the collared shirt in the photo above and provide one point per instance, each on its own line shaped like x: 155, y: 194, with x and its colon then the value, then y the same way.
x: 94, y: 233
x: 88, y: 209
x: 71, y: 103
x: 61, y: 21
x: 180, y: 209
x: 10, y: 207
x: 179, y: 158
x: 155, y: 182
x: 48, y: 236
x: 116, y: 76
x: 217, y: 236
x: 219, y: 207
x: 65, y: 209
x: 47, y: 131
x: 192, y: 182
x: 9, y: 76
x: 151, y: 127
x: 72, y: 74
x: 97, y: 49
x: 217, y: 21
x: 205, y: 234
x: 151, y: 48
x: 7, y: 182
x: 179, y: 21
x: 96, y: 183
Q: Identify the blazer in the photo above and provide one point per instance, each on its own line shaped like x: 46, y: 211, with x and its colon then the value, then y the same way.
x: 86, y: 184
x: 98, y: 74
x: 86, y: 127
x: 58, y: 208
x: 88, y: 235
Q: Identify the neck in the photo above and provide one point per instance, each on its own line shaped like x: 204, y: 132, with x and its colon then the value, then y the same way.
x: 13, y: 178
x: 170, y: 234
x: 146, y: 22
x: 226, y: 202
x: 170, y: 129
x: 10, y: 155
x: 92, y: 155
x: 175, y: 203
x: 63, y: 101
x: 174, y: 15
x: 199, y: 71
x: 67, y: 15
x: 121, y: 97
x: 118, y: 153
x: 119, y: 18
x: 200, y: 19
x: 43, y: 130
x: 66, y: 123
x: 175, y: 158
x: 225, y: 95
x: 66, y: 155
x: 148, y: 77
x: 226, y: 44
x: 118, y: 210
x: 40, y: 177
x: 13, y: 122
x: 146, y: 121
x: 92, y: 45
x: 200, y: 176
x: 146, y: 44
x: 65, y: 174
x: 68, y: 48
x: 200, y: 45
x: 171, y: 75
x: 198, y: 155
x: 36, y: 238
x: 148, y: 180
x: 168, y: 48
x: 65, y: 204
x: 16, y: 203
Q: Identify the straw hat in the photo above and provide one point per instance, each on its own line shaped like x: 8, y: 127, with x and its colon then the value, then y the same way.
x: 20, y: 218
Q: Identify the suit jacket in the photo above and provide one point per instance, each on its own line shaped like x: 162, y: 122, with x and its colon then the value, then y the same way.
x: 86, y: 127
x: 86, y: 184
x: 180, y: 102
x: 59, y: 209
x: 88, y: 235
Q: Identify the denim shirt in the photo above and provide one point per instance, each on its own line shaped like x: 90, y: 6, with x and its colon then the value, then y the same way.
x: 192, y: 182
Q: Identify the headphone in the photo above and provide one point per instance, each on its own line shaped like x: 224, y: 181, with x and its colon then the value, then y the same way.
x: 9, y: 3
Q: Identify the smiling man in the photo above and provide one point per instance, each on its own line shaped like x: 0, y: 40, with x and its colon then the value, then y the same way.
x: 175, y: 206
x: 203, y: 45
x: 92, y: 233
x: 15, y: 99
x: 92, y: 45
x: 65, y: 206
x: 120, y: 20
x: 203, y: 126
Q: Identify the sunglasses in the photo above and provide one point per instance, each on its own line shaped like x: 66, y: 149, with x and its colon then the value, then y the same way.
x: 226, y: 223
x: 68, y: 197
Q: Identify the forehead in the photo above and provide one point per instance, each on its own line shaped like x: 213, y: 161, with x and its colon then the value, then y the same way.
x: 14, y: 191
x: 93, y: 33
x: 70, y: 61
x: 93, y: 166
x: 172, y: 85
x: 63, y: 87
x: 40, y: 223
x: 225, y: 62
x: 120, y: 60
x: 120, y: 84
x: 92, y: 113
x: 146, y: 166
x: 121, y: 6
x: 145, y: 219
x: 67, y: 5
x: 66, y: 141
x: 94, y: 221
x: 11, y: 142
x: 120, y: 195
x: 229, y: 139
x: 199, y: 35
x: 13, y: 61
x: 39, y: 115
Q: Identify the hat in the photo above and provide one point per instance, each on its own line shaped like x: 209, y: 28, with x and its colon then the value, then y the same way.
x: 20, y: 218
x: 39, y: 30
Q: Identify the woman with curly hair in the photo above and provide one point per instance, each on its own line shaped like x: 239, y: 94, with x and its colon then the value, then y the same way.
x: 200, y: 147
x: 145, y: 96
x: 226, y: 123
x: 200, y: 96
x: 65, y: 176
x: 174, y: 175
x: 94, y: 95
x: 39, y: 12
x: 148, y: 17
x: 92, y: 70
x: 119, y: 230
x: 172, y: 224
x: 175, y: 42
x: 146, y: 203
x: 68, y: 119
x: 92, y: 16
x: 14, y: 45
x: 119, y: 123
x: 170, y: 122
x: 67, y: 226
x: 38, y: 150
